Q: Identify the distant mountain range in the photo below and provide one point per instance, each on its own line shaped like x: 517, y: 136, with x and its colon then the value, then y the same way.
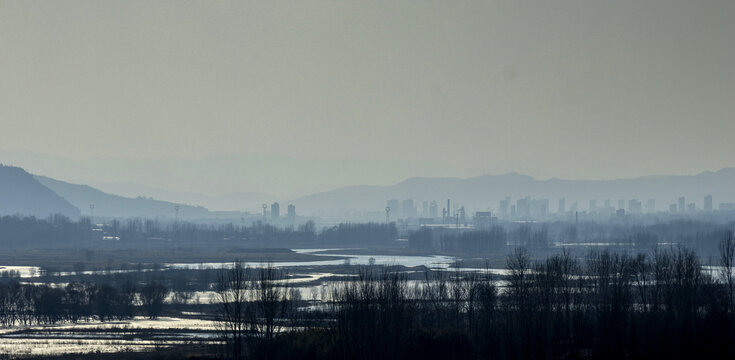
x: 110, y: 205
x: 21, y: 193
x: 485, y: 192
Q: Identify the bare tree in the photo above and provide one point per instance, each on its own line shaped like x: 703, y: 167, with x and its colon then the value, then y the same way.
x: 727, y: 254
x: 152, y: 296
x: 519, y: 265
x: 271, y: 303
x: 232, y: 289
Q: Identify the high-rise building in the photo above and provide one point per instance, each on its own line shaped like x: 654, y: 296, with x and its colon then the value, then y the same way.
x: 562, y: 206
x: 425, y: 208
x: 275, y: 211
x: 434, y: 210
x: 682, y: 205
x: 291, y: 213
x: 651, y: 206
x: 672, y: 208
x: 593, y: 205
x: 538, y: 209
x: 634, y: 206
x: 691, y: 207
x: 395, y: 208
x: 409, y: 210
x: 523, y: 208
x: 504, y: 204
x: 621, y: 204
x: 708, y: 203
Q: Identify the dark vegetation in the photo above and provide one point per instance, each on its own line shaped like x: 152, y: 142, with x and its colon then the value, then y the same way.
x: 24, y: 304
x: 608, y: 305
x: 60, y: 244
x: 541, y: 238
x: 58, y: 231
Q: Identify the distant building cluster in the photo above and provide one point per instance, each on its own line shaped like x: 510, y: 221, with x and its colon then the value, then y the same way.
x: 274, y: 214
x: 406, y: 212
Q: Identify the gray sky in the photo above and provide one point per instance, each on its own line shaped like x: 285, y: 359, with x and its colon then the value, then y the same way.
x: 365, y: 91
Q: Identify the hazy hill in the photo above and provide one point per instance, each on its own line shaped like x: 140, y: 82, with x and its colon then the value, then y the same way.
x: 118, y: 206
x: 243, y: 201
x: 21, y: 193
x: 486, y: 191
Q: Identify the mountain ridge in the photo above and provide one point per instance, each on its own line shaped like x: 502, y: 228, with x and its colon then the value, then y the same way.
x: 21, y: 193
x: 110, y: 205
x: 485, y: 191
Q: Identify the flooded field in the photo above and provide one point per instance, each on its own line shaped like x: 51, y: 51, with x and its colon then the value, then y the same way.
x: 308, y: 280
x: 431, y: 261
x: 137, y: 334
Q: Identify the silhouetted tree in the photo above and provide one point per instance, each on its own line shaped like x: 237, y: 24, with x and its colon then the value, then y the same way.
x: 152, y: 296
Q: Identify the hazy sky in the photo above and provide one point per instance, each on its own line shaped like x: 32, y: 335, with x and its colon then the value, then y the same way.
x: 572, y: 89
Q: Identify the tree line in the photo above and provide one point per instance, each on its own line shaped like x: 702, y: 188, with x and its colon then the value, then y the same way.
x: 59, y: 231
x: 701, y: 236
x: 26, y: 304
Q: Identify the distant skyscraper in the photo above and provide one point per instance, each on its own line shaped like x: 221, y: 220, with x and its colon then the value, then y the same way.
x: 672, y: 208
x: 538, y: 209
x: 409, y: 210
x: 593, y: 205
x: 291, y: 213
x: 682, y: 205
x: 434, y: 210
x: 562, y: 206
x: 275, y: 211
x: 395, y: 208
x: 634, y: 206
x: 504, y: 204
x: 621, y: 204
x: 425, y: 208
x: 523, y: 208
x: 651, y: 206
x: 691, y: 207
x: 708, y: 203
